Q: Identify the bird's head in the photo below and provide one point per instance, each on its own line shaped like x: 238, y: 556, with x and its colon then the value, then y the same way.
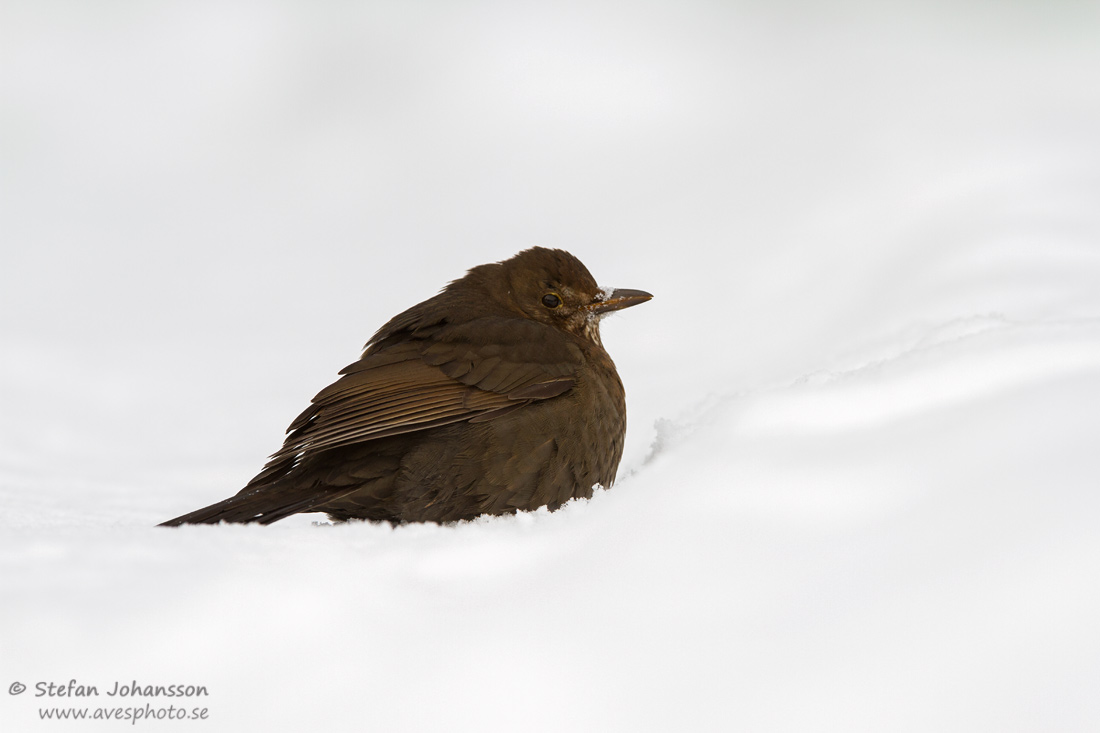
x: 554, y: 287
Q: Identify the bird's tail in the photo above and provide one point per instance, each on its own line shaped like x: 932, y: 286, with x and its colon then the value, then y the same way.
x: 263, y: 505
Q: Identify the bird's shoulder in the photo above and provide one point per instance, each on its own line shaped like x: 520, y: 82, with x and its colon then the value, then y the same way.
x: 476, y: 345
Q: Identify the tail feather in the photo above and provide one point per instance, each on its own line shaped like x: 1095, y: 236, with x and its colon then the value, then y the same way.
x: 263, y: 505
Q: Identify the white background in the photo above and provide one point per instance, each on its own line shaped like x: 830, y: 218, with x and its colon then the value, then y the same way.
x: 860, y: 489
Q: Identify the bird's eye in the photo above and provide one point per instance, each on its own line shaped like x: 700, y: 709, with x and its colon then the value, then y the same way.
x: 551, y: 300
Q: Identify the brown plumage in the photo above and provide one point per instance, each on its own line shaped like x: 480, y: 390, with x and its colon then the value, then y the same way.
x: 494, y: 396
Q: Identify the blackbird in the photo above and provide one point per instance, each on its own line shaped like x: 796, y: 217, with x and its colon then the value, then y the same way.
x: 492, y: 397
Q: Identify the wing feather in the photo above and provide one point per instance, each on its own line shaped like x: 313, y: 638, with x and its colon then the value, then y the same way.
x: 476, y: 371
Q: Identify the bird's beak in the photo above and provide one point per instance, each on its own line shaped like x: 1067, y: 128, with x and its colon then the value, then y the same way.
x: 619, y: 299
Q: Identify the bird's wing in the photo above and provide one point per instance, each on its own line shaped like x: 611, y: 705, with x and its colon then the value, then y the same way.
x: 476, y: 371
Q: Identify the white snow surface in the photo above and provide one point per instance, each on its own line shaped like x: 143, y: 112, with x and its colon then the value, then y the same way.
x: 860, y: 487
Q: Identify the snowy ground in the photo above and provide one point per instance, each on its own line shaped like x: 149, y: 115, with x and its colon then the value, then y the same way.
x: 860, y: 491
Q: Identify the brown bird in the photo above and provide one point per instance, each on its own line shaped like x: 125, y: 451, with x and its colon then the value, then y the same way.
x: 492, y: 397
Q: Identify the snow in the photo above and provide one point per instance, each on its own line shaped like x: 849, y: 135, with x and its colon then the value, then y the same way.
x: 859, y: 491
